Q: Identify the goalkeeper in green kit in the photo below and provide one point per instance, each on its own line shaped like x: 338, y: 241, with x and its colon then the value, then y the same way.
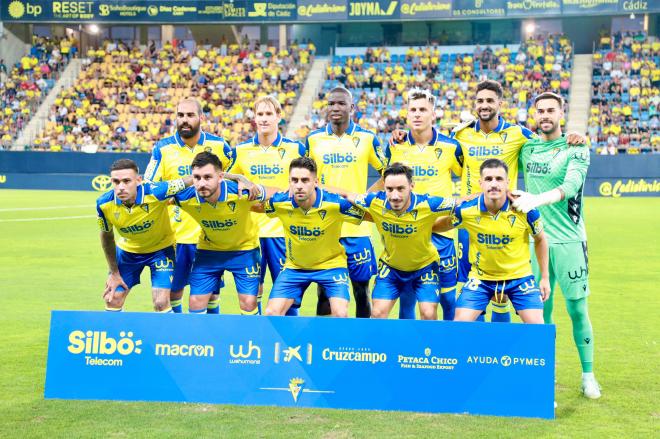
x: 554, y: 178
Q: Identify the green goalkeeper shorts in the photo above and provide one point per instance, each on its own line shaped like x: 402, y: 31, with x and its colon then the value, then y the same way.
x: 569, y: 267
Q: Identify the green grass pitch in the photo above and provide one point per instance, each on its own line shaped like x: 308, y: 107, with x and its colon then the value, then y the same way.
x: 58, y: 264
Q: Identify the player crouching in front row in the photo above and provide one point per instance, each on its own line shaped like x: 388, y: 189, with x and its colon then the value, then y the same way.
x: 500, y: 256
x: 139, y: 213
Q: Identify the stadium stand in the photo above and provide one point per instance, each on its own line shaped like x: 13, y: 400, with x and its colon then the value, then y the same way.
x: 24, y: 85
x: 124, y: 99
x: 626, y: 94
x: 379, y: 80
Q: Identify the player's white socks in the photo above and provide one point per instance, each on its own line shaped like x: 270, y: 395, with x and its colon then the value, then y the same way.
x: 590, y: 387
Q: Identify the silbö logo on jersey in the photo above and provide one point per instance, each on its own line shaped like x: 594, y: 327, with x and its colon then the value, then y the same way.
x: 304, y: 233
x: 266, y: 170
x: 494, y: 241
x: 485, y: 151
x: 138, y: 228
x: 425, y: 171
x: 219, y: 224
x: 399, y: 230
x: 339, y: 160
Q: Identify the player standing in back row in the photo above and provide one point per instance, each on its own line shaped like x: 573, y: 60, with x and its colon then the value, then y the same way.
x: 343, y: 152
x: 554, y: 177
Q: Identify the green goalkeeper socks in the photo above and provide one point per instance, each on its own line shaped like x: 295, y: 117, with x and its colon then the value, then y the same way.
x: 583, y: 334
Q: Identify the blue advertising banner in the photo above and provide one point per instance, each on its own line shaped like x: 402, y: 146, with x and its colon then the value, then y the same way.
x: 402, y: 365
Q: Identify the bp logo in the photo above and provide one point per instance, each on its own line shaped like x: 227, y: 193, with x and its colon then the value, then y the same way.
x: 16, y: 9
x: 101, y: 183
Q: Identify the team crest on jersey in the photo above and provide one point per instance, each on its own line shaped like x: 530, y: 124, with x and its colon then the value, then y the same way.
x: 356, y: 141
x: 208, y: 149
x: 438, y: 153
x: 414, y: 213
x: 144, y: 207
x: 512, y: 220
x: 116, y: 215
x: 322, y: 213
x: 503, y: 136
x: 281, y: 152
x: 477, y: 219
x: 232, y: 205
x: 555, y: 151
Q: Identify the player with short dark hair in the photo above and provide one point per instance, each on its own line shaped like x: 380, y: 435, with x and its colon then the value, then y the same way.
x: 554, y: 179
x: 138, y: 211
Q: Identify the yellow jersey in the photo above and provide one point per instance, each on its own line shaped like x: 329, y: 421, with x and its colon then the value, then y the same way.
x: 171, y: 158
x: 226, y: 224
x: 406, y: 238
x: 312, y: 237
x: 504, y: 143
x: 499, y: 244
x: 145, y: 226
x: 267, y: 165
x: 343, y: 162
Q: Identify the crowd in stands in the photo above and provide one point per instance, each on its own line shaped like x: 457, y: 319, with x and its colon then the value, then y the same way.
x: 379, y: 81
x: 125, y: 97
x: 24, y: 85
x: 625, y: 116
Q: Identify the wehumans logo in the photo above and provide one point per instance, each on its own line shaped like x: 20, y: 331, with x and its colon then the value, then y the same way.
x: 252, y: 354
x: 427, y: 361
x: 167, y: 264
x: 98, y: 343
x: 184, y: 350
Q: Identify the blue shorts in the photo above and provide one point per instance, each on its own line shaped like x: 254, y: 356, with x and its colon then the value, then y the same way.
x: 448, y: 262
x: 464, y: 265
x: 160, y: 262
x: 185, y: 256
x: 361, y: 259
x: 423, y: 284
x: 292, y: 283
x: 210, y: 265
x: 273, y: 256
x: 523, y: 293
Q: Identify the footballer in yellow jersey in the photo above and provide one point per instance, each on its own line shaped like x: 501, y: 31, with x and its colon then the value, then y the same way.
x: 409, y: 262
x: 171, y: 158
x: 343, y: 152
x: 265, y: 159
x: 433, y: 157
x: 229, y: 239
x: 499, y: 250
x: 312, y: 219
x: 138, y: 211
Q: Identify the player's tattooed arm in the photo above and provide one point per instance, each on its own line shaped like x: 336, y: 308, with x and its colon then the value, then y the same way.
x: 255, y: 192
x: 114, y: 278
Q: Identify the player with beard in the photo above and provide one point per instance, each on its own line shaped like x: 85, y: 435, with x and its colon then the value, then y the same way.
x: 171, y: 158
x: 554, y: 177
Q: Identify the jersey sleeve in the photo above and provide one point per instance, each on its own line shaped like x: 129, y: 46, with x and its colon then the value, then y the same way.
x: 352, y: 214
x: 270, y: 205
x: 235, y: 166
x: 576, y: 173
x: 387, y: 152
x: 456, y: 165
x: 229, y: 156
x: 184, y: 195
x: 364, y: 200
x: 527, y: 133
x: 457, y: 216
x: 302, y: 149
x: 102, y: 221
x: 167, y: 189
x: 376, y: 158
x: 154, y: 171
x: 534, y: 222
x: 440, y: 205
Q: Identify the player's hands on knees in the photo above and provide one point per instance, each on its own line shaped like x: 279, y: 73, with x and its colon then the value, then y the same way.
x: 576, y: 139
x: 398, y: 136
x: 522, y: 201
x: 544, y: 286
x: 111, y: 284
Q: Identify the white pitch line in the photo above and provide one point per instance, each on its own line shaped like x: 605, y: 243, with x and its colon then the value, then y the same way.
x: 20, y: 209
x: 51, y: 218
